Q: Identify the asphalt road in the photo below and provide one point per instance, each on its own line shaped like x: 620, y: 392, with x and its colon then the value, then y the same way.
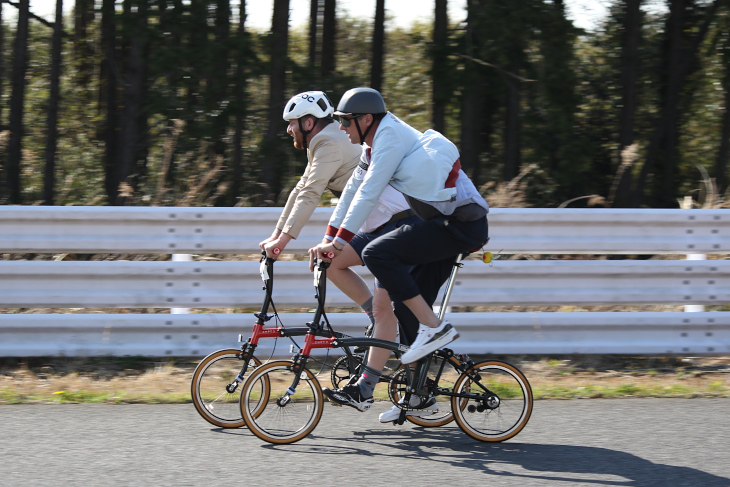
x: 618, y: 442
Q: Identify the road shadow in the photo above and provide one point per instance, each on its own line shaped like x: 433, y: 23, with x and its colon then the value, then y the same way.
x: 528, y: 461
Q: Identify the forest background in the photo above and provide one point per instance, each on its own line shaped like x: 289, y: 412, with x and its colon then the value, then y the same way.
x: 179, y: 102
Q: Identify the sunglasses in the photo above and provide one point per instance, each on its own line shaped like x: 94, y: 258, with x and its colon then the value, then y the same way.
x: 346, y: 121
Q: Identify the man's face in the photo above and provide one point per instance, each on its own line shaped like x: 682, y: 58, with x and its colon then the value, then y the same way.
x: 293, y: 130
x: 351, y: 130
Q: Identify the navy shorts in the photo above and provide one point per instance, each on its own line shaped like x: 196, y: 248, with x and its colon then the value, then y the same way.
x: 362, y: 239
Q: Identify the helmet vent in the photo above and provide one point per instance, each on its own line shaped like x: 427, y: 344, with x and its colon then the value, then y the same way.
x: 312, y: 103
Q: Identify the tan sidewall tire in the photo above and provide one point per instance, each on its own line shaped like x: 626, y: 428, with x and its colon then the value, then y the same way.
x: 195, y: 384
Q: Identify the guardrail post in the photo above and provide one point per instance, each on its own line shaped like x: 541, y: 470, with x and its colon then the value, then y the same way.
x: 181, y: 258
x: 693, y: 308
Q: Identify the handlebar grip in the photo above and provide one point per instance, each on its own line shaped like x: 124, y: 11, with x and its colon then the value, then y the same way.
x: 329, y: 255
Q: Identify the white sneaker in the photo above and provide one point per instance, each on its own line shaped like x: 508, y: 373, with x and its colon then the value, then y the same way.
x: 394, y: 413
x: 428, y: 340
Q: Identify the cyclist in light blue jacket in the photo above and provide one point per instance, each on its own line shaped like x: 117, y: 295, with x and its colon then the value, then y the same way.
x: 425, y: 167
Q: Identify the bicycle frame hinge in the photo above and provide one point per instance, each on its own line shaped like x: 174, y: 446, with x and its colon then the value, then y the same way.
x: 263, y: 317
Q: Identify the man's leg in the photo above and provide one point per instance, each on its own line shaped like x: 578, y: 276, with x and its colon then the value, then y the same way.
x: 385, y: 328
x: 431, y: 242
x: 420, y: 243
x: 429, y: 279
x: 392, y: 256
x: 349, y: 282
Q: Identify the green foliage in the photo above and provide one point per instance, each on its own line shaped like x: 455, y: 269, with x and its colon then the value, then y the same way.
x: 202, y: 73
x: 80, y: 396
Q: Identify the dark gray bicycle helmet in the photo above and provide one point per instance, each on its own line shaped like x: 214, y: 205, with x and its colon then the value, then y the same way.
x: 362, y: 101
x: 359, y: 101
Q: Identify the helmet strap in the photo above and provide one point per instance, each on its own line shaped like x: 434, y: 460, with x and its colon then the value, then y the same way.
x: 367, y: 130
x: 305, y: 133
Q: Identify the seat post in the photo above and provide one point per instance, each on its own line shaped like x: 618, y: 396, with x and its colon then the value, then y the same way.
x: 450, y: 286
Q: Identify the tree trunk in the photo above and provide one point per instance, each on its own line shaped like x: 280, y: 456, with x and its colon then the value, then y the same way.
x: 240, y: 102
x: 171, y: 20
x: 723, y: 154
x: 130, y: 132
x: 631, y: 39
x: 219, y: 66
x: 53, y: 102
x: 2, y: 80
x: 378, y: 46
x: 20, y: 66
x: 440, y: 72
x: 513, y: 44
x: 329, y: 31
x: 196, y: 39
x: 512, y: 128
x: 313, y: 28
x: 2, y: 64
x: 472, y: 100
x: 680, y: 61
x: 83, y: 55
x: 109, y: 93
x: 277, y: 96
x: 218, y: 78
x: 670, y: 120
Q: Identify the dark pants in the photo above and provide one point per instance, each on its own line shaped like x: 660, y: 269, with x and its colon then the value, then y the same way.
x: 417, y: 259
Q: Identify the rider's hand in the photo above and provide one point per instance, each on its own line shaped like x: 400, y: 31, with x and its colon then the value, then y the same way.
x: 262, y: 244
x: 273, y: 249
x: 324, y: 251
x: 312, y: 258
x: 275, y: 246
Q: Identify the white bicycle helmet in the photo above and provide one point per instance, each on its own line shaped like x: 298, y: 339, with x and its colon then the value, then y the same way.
x: 314, y: 103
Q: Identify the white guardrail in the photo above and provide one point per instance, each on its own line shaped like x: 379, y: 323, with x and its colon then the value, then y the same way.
x: 227, y: 284
x: 239, y: 230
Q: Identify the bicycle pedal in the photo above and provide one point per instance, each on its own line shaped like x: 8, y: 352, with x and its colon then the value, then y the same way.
x: 335, y: 404
x: 428, y: 402
x: 359, y: 350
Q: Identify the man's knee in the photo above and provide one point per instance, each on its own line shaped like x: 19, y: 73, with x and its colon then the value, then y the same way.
x: 369, y: 256
x: 381, y: 300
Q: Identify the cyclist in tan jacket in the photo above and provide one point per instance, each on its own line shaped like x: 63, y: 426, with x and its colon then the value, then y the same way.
x: 331, y: 158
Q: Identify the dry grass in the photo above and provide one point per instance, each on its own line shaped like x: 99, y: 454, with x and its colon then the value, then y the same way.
x: 95, y: 382
x: 53, y: 381
x: 667, y: 377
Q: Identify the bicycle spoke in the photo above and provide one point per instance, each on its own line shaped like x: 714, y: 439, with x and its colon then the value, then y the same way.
x: 208, y: 388
x: 497, y: 401
x: 281, y: 418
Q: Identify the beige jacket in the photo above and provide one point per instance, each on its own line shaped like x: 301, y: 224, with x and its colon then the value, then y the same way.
x: 331, y: 159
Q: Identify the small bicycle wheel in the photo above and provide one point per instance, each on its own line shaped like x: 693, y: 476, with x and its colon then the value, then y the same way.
x: 284, y: 418
x: 341, y: 372
x: 446, y: 383
x: 498, y: 401
x: 214, y: 390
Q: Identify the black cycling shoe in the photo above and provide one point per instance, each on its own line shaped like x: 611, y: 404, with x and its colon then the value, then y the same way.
x: 350, y: 395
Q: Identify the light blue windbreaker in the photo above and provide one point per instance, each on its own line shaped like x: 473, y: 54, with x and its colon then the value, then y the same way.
x: 420, y: 165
